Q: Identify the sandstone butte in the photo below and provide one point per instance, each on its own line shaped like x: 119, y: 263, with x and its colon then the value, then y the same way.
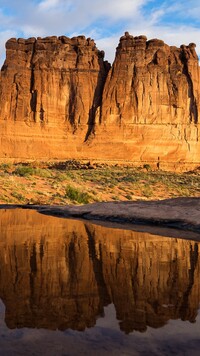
x: 59, y: 99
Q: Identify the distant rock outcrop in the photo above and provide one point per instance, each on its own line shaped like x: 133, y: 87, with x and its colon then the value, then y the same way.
x: 59, y: 99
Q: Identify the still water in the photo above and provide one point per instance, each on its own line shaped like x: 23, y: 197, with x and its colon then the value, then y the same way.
x: 69, y: 287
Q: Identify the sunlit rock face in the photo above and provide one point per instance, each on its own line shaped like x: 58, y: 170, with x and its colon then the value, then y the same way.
x: 60, y: 274
x: 50, y: 93
x: 152, y: 94
x: 59, y: 99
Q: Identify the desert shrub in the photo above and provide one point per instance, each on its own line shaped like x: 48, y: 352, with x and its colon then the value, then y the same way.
x: 76, y: 195
x: 5, y: 166
x: 147, y: 191
x: 24, y: 171
x: 18, y: 196
x: 129, y: 178
x: 128, y: 197
x: 147, y: 167
x: 44, y: 173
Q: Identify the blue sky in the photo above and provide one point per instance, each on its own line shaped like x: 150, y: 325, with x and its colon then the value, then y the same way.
x: 176, y: 22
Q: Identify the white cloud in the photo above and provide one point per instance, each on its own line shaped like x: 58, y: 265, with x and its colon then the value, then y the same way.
x: 113, y: 9
x: 187, y: 9
x: 108, y: 44
x: 103, y: 20
x: 177, y: 36
x: 48, y: 4
x: 57, y: 17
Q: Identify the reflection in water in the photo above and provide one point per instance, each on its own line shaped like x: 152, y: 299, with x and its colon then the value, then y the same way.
x: 60, y: 274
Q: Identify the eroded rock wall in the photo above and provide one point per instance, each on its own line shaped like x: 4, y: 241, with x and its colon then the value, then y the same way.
x: 152, y: 83
x: 152, y: 96
x: 59, y: 99
x: 50, y: 92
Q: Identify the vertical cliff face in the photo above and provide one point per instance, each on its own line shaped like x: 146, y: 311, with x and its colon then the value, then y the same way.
x: 59, y: 273
x: 50, y: 91
x: 59, y: 99
x: 152, y: 83
x: 152, y: 96
x: 52, y: 80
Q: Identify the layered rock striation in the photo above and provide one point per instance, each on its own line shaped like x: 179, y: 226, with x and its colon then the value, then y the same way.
x: 152, y: 96
x: 59, y: 99
x: 50, y: 91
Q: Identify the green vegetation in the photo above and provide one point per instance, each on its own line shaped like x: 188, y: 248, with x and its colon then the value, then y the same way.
x: 26, y: 171
x: 64, y: 183
x: 76, y: 195
x: 147, y: 167
x: 19, y: 197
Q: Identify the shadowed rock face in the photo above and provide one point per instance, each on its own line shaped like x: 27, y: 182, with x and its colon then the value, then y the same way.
x: 60, y: 99
x: 57, y: 273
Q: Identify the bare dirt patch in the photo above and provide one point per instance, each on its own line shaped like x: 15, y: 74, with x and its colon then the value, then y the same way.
x: 74, y: 182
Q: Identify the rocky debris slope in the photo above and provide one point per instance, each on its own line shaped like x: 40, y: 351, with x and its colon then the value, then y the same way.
x: 59, y: 99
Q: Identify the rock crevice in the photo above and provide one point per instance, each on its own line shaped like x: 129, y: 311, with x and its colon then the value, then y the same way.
x: 60, y: 99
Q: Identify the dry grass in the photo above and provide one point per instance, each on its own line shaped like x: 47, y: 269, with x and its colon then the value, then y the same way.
x: 64, y: 183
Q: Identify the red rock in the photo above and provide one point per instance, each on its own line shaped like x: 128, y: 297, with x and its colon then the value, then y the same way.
x: 151, y: 98
x: 59, y: 99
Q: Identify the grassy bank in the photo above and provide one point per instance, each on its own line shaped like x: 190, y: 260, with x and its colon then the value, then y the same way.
x: 76, y: 183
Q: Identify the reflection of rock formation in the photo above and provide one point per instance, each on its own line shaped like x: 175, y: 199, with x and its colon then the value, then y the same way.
x: 150, y: 279
x: 57, y: 273
x: 47, y: 278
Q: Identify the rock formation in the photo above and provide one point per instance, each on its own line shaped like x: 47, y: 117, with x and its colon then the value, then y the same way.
x: 59, y: 99
x: 152, y: 94
x: 60, y: 273
x: 50, y: 91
